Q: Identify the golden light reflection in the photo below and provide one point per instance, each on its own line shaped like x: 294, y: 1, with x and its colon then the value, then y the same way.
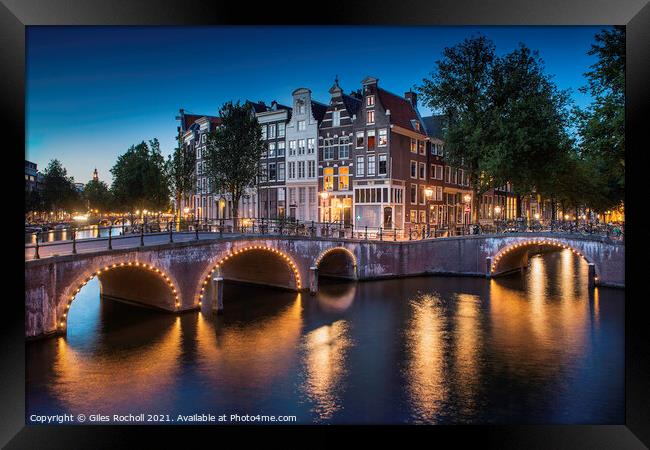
x: 326, y: 350
x: 539, y: 334
x: 131, y: 375
x: 253, y: 354
x: 468, y: 343
x: 427, y: 386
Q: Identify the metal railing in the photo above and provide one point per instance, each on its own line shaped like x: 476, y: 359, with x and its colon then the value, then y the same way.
x: 96, y: 238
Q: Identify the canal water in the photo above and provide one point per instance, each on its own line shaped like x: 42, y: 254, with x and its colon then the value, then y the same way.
x: 85, y: 232
x: 534, y: 347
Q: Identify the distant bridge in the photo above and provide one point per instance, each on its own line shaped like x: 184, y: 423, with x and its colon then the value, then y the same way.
x: 179, y: 276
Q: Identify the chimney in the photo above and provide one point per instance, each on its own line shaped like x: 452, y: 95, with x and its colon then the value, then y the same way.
x: 412, y: 97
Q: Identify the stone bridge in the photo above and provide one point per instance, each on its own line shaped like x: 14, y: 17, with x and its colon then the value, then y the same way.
x: 181, y: 276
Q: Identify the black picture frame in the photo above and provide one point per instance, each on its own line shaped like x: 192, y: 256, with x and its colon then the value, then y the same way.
x: 15, y: 15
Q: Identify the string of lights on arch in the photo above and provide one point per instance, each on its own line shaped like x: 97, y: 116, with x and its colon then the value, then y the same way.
x: 529, y: 242
x: 233, y: 253
x: 107, y: 268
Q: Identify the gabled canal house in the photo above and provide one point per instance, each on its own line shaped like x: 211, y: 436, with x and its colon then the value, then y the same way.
x: 271, y: 186
x: 336, y: 164
x: 302, y: 157
x: 390, y: 160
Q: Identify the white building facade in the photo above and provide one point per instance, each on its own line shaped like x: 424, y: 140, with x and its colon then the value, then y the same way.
x: 302, y: 156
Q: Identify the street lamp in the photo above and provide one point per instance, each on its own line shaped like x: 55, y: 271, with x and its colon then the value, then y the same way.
x: 428, y: 193
x: 468, y: 200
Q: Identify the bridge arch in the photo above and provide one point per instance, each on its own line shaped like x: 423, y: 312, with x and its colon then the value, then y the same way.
x: 515, y: 255
x: 71, y: 292
x: 246, y: 256
x: 104, y: 223
x: 336, y: 262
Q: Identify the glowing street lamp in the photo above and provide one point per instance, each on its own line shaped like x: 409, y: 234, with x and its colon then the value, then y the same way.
x: 468, y: 200
x: 428, y: 193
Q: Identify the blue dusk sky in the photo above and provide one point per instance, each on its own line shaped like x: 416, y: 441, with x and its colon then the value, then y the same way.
x: 94, y: 91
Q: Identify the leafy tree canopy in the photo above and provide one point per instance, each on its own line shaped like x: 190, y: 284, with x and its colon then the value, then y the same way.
x: 139, y: 178
x: 234, y: 150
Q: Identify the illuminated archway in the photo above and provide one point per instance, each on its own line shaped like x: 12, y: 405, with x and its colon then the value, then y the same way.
x: 518, y: 250
x: 250, y: 248
x: 338, y: 262
x: 62, y: 321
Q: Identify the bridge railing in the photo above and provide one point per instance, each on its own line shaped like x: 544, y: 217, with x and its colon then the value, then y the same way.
x: 69, y: 240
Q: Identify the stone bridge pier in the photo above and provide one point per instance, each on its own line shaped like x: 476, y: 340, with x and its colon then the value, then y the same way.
x: 181, y: 276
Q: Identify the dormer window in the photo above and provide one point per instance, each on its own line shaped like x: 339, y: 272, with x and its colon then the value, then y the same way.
x: 370, y: 101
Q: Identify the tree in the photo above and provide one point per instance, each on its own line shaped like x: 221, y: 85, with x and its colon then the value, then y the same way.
x: 506, y: 119
x: 181, y: 173
x: 57, y: 190
x: 529, y: 118
x: 460, y: 89
x: 140, y: 179
x: 601, y: 126
x: 234, y: 150
x: 97, y: 195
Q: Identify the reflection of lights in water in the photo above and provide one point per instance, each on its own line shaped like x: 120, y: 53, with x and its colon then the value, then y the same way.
x: 538, y: 291
x: 252, y: 354
x: 326, y: 349
x: 426, y: 381
x: 336, y: 298
x: 536, y: 333
x: 118, y: 380
x: 467, y: 338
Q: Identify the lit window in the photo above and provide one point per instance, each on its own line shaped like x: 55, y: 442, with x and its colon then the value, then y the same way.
x: 414, y: 146
x: 370, y: 101
x: 344, y: 178
x: 328, y: 178
x: 422, y: 146
x: 370, y: 117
